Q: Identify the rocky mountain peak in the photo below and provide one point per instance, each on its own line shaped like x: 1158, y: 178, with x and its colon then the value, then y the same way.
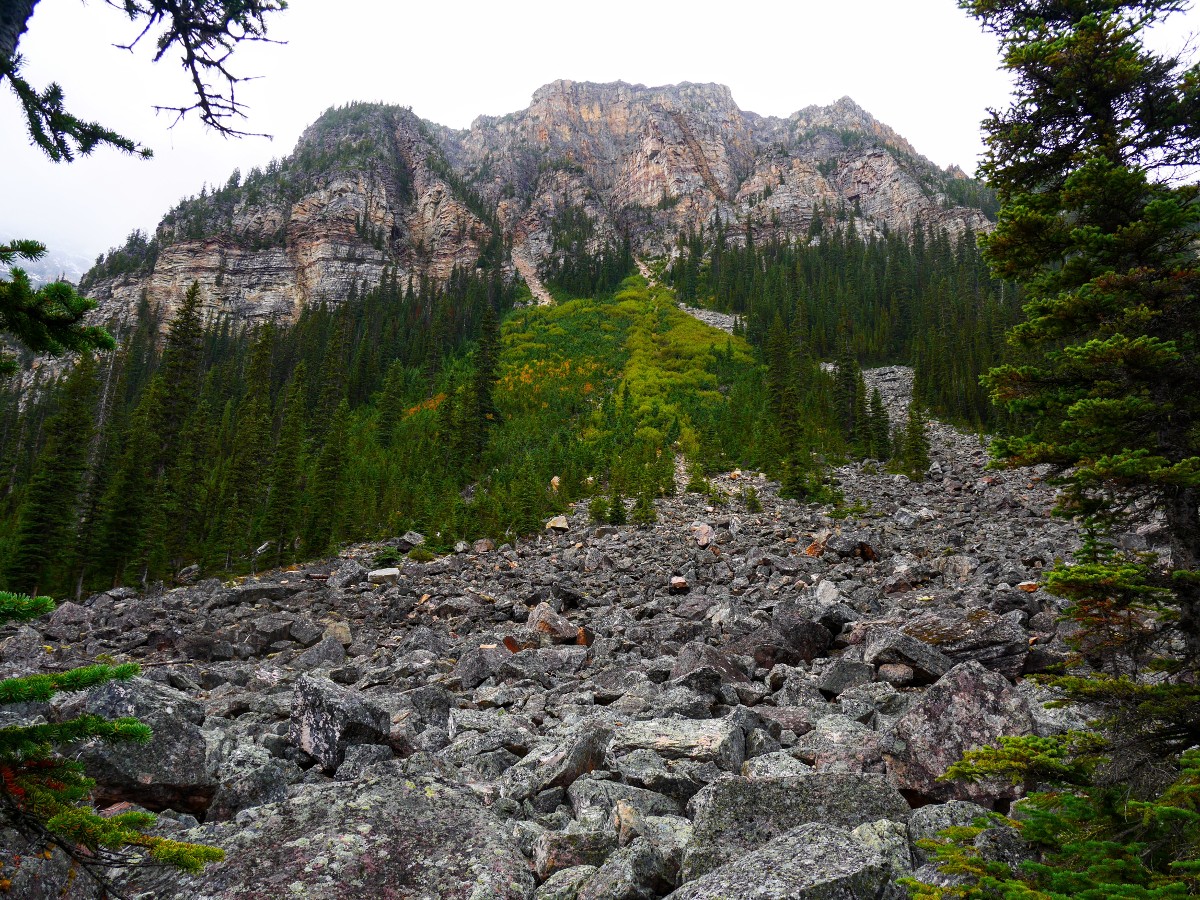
x: 371, y: 187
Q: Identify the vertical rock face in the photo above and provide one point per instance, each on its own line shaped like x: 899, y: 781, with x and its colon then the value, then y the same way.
x: 372, y: 187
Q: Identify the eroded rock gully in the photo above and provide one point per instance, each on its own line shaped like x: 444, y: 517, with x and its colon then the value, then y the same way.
x: 592, y: 712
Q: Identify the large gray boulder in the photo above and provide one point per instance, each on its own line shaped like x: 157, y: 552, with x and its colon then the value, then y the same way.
x: 735, y: 816
x: 327, y: 718
x: 812, y: 862
x: 171, y: 771
x: 969, y: 707
x: 384, y: 836
x: 704, y: 740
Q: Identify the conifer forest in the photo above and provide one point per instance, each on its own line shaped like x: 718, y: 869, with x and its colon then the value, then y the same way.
x: 629, y: 497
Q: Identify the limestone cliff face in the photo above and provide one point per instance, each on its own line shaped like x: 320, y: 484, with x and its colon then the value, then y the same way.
x: 371, y: 187
x: 361, y: 193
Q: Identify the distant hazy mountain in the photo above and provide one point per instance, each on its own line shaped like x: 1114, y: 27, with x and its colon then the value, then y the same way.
x: 53, y: 267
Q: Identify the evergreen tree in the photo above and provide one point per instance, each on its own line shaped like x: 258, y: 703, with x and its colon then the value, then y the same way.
x: 912, y: 444
x: 483, y: 412
x: 616, y: 509
x: 880, y: 429
x: 283, y: 511
x: 1101, y: 233
x: 48, y: 511
x: 643, y: 513
x: 325, y: 512
x: 48, y: 319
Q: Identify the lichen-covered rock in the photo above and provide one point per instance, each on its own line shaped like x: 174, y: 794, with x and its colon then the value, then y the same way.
x: 386, y: 836
x: 969, y: 707
x: 327, y: 718
x: 736, y: 815
x: 636, y: 872
x: 565, y: 883
x: 557, y: 850
x: 704, y: 740
x: 812, y: 862
x: 171, y: 771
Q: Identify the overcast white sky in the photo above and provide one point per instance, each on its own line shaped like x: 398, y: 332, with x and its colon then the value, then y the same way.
x: 921, y: 66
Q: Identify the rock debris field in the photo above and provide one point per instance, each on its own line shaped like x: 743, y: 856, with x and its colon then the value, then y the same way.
x: 726, y: 704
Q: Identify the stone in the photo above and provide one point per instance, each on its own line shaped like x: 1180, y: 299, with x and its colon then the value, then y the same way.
x: 695, y: 655
x: 558, y: 523
x: 590, y: 794
x: 328, y: 654
x: 171, y: 771
x: 348, y: 573
x: 409, y: 540
x: 703, y: 740
x: 340, y: 632
x: 888, y: 645
x: 677, y: 584
x: 544, y: 620
x: 356, y: 839
x: 327, y: 718
x: 998, y: 642
x: 812, y: 862
x: 389, y: 575
x: 565, y: 884
x: 843, y: 675
x: 735, y: 816
x: 556, y: 850
x: 928, y: 821
x: 68, y: 622
x: 249, y: 777
x: 774, y: 765
x: 479, y: 664
x: 483, y: 545
x: 557, y: 764
x: 634, y: 872
x: 968, y: 707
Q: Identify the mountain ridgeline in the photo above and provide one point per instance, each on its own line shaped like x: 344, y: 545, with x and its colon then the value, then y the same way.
x: 341, y: 347
x: 372, y: 187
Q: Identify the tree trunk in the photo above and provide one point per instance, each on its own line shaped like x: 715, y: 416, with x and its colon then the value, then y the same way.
x: 14, y: 19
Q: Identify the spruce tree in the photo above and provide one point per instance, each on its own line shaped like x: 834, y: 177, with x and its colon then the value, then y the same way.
x: 283, y: 511
x: 880, y: 429
x: 48, y: 513
x: 49, y: 319
x: 1101, y: 233
x: 325, y: 511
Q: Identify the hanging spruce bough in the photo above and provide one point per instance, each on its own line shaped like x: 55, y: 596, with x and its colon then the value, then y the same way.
x: 44, y: 795
x: 48, y: 319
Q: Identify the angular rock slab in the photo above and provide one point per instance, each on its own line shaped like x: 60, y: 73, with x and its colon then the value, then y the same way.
x: 384, y: 837
x: 968, y: 707
x: 737, y: 815
x: 170, y: 771
x: 327, y: 718
x: 812, y: 862
x: 703, y: 740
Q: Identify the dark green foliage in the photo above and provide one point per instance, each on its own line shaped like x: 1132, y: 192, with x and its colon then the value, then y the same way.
x: 1101, y: 232
x: 616, y: 509
x: 49, y: 509
x: 580, y: 264
x: 918, y: 299
x: 598, y: 509
x: 48, y: 319
x: 911, y: 445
